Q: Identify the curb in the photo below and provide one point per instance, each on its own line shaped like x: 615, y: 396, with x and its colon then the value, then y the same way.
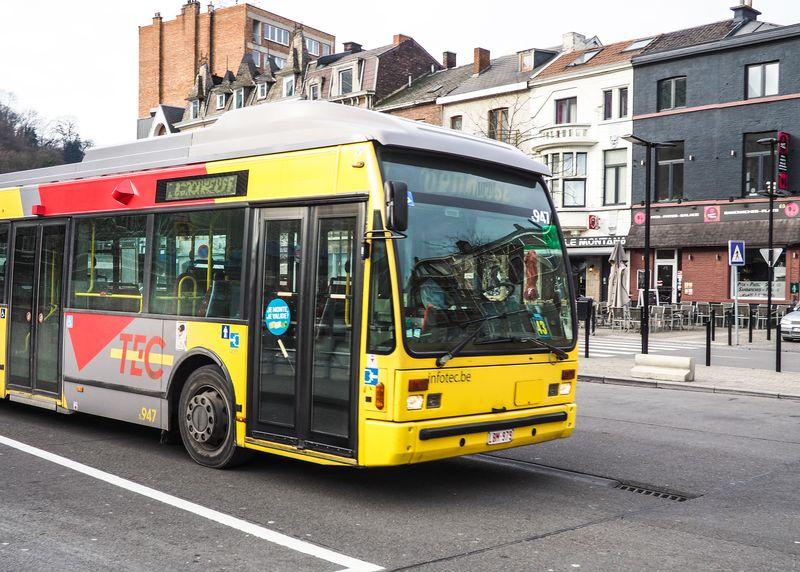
x: 677, y: 386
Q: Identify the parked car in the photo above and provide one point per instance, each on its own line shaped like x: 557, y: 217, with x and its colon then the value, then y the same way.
x: 790, y: 326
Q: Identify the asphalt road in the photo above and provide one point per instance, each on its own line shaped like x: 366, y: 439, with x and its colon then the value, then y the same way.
x: 556, y: 506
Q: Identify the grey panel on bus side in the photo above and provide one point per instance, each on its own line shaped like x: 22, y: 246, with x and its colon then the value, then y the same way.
x: 132, y: 407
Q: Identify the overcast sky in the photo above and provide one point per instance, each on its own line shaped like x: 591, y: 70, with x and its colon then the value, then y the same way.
x: 80, y: 58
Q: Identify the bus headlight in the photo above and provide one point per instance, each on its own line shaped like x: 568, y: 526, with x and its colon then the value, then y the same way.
x: 414, y: 402
x: 564, y: 388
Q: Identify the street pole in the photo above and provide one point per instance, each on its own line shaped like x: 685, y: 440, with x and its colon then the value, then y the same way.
x: 771, y: 189
x: 645, y: 324
x: 736, y: 301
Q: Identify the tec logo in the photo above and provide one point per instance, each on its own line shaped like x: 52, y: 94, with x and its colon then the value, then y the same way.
x: 139, y: 349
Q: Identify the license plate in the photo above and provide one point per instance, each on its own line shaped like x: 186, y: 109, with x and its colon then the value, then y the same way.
x: 497, y: 437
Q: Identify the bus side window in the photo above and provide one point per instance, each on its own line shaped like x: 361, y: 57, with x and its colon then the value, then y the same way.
x: 198, y: 264
x: 108, y: 263
x: 3, y: 261
x: 380, y: 333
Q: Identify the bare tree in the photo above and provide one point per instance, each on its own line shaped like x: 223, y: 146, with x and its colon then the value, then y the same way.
x: 507, y: 119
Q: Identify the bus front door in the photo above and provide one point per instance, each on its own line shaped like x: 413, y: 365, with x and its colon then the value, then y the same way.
x: 34, y: 339
x: 304, y: 388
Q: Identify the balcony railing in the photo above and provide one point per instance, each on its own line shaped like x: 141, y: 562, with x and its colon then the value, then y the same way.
x: 560, y: 135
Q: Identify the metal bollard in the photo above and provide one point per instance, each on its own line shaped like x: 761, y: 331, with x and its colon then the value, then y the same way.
x: 708, y: 343
x: 778, y: 338
x: 729, y: 320
x: 713, y: 321
x: 586, y: 329
x: 750, y: 325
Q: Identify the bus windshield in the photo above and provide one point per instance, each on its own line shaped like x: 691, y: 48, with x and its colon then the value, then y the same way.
x: 482, y: 242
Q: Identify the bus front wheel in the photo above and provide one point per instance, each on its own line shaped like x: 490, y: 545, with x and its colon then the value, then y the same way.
x: 206, y: 419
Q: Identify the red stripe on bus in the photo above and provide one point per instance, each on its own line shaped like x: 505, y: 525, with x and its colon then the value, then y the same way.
x: 97, y: 195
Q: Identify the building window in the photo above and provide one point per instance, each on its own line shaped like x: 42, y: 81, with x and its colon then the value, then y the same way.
x: 276, y: 34
x: 220, y: 101
x: 262, y: 91
x: 584, y: 57
x: 280, y: 63
x: 326, y: 49
x: 256, y: 32
x: 638, y: 45
x: 758, y: 165
x: 762, y: 80
x: 669, y: 172
x: 108, y: 263
x: 615, y: 182
x: 288, y: 87
x: 623, y: 102
x: 313, y: 47
x: 754, y: 277
x: 608, y: 104
x: 672, y: 93
x: 238, y: 98
x: 568, y: 174
x: 256, y: 58
x: 498, y: 125
x: 456, y: 122
x: 313, y: 91
x: 566, y: 110
x: 345, y: 81
x: 194, y: 109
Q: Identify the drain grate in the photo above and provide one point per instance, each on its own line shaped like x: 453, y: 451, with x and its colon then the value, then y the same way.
x: 651, y: 493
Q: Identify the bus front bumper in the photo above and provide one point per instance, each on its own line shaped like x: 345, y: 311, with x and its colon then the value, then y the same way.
x: 388, y: 443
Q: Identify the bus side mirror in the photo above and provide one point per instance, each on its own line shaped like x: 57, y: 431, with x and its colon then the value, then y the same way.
x: 396, y: 205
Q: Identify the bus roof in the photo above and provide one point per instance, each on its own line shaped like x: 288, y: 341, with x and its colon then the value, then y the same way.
x: 276, y: 128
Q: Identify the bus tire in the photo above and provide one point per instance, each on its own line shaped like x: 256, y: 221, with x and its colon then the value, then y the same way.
x: 206, y: 419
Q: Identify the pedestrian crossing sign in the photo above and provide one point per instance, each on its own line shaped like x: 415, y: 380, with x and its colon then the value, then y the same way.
x: 736, y: 252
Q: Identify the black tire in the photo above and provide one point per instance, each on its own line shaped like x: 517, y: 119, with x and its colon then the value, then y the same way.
x: 206, y: 420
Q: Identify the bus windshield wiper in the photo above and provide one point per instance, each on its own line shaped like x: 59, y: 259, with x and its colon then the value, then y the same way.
x: 450, y: 354
x: 558, y: 352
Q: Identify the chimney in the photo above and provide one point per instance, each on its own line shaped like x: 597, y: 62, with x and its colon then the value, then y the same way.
x: 190, y: 6
x: 449, y: 60
x: 481, y: 61
x: 352, y: 47
x: 745, y: 12
x: 157, y: 18
x: 400, y: 38
x: 572, y: 41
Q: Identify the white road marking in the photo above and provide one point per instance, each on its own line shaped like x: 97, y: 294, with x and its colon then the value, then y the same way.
x: 351, y: 564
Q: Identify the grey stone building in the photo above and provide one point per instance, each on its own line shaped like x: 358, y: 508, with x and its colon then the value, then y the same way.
x: 714, y: 92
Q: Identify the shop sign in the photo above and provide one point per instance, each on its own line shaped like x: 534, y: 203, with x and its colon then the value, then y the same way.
x: 593, y: 241
x: 783, y: 161
x: 758, y: 289
x: 709, y: 214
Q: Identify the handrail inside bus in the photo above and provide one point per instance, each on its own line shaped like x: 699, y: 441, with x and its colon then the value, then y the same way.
x: 180, y: 293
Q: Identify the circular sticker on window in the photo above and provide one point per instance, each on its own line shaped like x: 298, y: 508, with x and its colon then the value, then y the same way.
x: 277, y: 316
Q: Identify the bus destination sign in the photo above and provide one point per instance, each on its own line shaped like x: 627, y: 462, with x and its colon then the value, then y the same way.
x: 202, y: 187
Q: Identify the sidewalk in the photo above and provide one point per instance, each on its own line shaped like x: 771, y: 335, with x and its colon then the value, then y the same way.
x: 714, y: 379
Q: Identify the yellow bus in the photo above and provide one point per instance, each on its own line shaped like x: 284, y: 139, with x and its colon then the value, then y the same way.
x: 305, y: 279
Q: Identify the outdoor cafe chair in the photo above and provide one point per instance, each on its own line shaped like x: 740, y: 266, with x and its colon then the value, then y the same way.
x: 703, y: 311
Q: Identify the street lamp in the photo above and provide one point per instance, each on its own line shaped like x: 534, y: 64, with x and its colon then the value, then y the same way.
x: 770, y: 191
x: 649, y: 146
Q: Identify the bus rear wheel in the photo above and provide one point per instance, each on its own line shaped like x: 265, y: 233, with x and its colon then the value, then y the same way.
x: 206, y: 419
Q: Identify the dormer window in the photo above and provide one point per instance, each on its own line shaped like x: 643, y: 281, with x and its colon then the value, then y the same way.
x: 194, y: 109
x: 280, y: 63
x: 313, y: 91
x: 638, y: 45
x: 345, y: 81
x: 526, y: 61
x: 288, y: 87
x: 238, y: 98
x: 262, y: 91
x: 220, y: 101
x: 584, y: 57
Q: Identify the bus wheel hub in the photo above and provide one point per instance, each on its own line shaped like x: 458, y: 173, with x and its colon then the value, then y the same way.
x: 205, y: 417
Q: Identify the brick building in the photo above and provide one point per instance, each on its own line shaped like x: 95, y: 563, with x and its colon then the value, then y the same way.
x: 713, y: 92
x: 172, y: 51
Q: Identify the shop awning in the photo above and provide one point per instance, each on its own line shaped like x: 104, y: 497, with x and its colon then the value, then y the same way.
x: 714, y: 234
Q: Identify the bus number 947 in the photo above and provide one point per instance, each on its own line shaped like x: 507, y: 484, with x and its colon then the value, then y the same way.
x: 147, y: 414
